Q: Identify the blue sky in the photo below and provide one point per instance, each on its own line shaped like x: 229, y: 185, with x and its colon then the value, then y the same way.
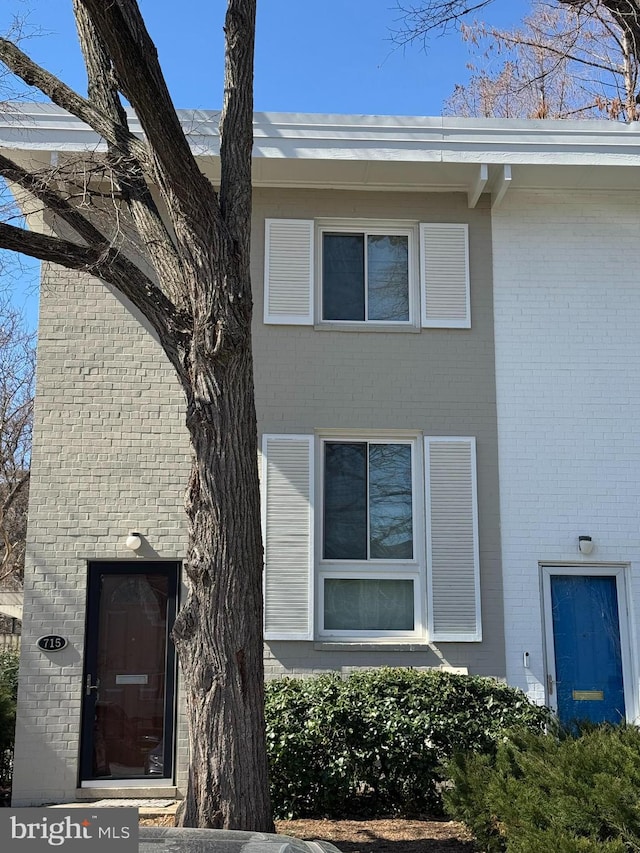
x: 328, y: 56
x: 333, y: 56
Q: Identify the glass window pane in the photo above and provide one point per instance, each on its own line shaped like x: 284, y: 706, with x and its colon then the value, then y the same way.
x: 390, y: 502
x: 388, y: 277
x: 345, y: 501
x: 343, y: 277
x: 368, y: 604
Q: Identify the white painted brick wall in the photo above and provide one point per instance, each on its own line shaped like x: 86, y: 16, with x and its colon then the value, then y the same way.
x: 567, y: 327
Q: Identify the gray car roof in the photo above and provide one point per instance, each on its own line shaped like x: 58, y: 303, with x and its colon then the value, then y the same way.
x: 182, y: 840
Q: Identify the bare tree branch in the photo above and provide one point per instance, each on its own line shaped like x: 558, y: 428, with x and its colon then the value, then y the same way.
x: 559, y: 63
x: 108, y: 263
x: 64, y: 97
x: 40, y: 187
x: 135, y: 63
x: 186, y: 192
x: 13, y: 493
x: 17, y: 371
x: 100, y: 257
x: 433, y: 15
x: 560, y: 53
x: 237, y: 116
x: 627, y: 14
x: 12, y: 531
x: 103, y: 93
x: 422, y: 19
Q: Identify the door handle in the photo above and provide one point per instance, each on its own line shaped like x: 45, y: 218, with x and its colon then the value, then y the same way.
x: 89, y: 686
x: 550, y: 682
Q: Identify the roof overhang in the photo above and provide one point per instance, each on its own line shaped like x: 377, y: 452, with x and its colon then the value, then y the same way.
x: 473, y: 156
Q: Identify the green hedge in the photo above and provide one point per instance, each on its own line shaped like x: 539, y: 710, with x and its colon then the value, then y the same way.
x: 373, y: 743
x: 540, y: 793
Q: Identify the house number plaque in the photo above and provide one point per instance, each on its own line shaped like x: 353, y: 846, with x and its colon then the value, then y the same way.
x: 51, y: 643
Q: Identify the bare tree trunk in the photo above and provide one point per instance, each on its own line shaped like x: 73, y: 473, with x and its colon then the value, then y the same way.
x: 218, y: 631
x: 199, y: 303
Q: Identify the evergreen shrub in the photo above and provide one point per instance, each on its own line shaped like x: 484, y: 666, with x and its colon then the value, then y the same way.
x: 372, y: 743
x: 556, y: 792
x: 8, y: 695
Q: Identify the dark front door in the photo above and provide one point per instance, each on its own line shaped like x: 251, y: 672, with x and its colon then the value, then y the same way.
x: 128, y: 709
x: 588, y: 659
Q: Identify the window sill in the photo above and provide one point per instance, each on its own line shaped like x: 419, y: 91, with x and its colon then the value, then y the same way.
x: 371, y: 646
x: 394, y: 328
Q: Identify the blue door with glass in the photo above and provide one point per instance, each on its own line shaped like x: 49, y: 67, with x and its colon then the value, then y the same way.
x: 588, y: 659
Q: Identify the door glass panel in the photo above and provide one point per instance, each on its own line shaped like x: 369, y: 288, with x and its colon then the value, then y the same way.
x: 129, y: 720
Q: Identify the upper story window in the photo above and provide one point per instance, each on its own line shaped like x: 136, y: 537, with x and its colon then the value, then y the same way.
x: 345, y: 274
x: 365, y: 275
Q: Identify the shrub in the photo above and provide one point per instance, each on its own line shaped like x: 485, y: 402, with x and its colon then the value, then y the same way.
x: 9, y: 665
x: 373, y: 743
x: 8, y: 694
x: 571, y: 794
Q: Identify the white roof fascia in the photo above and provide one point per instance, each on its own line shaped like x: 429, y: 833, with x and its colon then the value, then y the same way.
x: 44, y: 127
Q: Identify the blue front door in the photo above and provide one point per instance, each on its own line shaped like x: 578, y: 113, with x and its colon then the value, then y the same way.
x: 588, y: 660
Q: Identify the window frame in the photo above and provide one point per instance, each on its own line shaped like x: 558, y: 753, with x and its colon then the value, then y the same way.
x: 413, y: 569
x: 365, y: 227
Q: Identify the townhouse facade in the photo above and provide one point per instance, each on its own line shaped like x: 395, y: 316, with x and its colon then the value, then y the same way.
x: 446, y: 372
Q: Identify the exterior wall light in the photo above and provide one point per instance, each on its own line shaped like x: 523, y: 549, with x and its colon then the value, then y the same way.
x: 585, y: 545
x: 133, y: 540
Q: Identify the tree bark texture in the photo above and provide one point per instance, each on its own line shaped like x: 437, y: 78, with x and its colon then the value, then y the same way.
x: 198, y: 300
x: 218, y: 632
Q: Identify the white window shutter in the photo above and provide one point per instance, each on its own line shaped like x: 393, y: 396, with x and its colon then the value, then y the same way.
x: 444, y: 275
x: 453, y: 565
x: 288, y: 271
x: 287, y: 518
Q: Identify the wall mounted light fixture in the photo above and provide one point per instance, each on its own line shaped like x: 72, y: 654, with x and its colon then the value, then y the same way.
x: 585, y: 545
x: 133, y: 540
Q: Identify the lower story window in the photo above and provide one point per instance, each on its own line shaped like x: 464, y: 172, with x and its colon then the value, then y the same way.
x: 370, y: 537
x: 370, y: 569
